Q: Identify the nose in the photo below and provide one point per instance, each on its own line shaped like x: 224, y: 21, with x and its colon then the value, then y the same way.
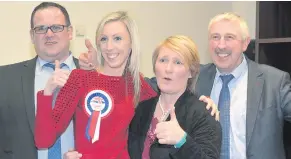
x: 49, y: 33
x: 169, y: 67
x: 222, y: 43
x: 109, y: 45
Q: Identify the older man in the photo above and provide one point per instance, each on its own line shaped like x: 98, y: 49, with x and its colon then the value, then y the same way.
x: 253, y: 99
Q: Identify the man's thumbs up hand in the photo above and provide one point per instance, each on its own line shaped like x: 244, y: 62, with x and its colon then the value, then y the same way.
x: 57, y: 80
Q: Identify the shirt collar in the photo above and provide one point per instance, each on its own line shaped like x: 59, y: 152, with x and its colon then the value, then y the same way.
x: 69, y: 62
x: 237, y: 72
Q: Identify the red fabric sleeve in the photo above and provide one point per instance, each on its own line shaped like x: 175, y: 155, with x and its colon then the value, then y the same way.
x: 146, y: 91
x: 51, y: 123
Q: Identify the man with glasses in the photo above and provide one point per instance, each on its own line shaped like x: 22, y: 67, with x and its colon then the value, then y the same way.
x: 51, y: 32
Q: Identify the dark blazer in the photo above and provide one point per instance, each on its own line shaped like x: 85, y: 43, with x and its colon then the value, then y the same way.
x: 268, y: 104
x: 204, y: 133
x: 17, y: 110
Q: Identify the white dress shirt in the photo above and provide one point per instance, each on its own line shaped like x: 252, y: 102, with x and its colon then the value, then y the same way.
x: 238, y: 106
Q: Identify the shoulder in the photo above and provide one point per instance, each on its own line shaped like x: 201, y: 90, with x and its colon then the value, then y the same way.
x: 142, y: 111
x: 75, y: 73
x: 268, y: 72
x: 78, y: 75
x: 145, y: 82
x: 78, y: 71
x: 143, y: 78
x: 263, y: 68
x: 147, y: 91
x: 204, y: 67
x: 152, y: 82
x: 146, y: 104
x: 15, y: 70
x: 18, y: 64
x: 194, y: 104
x: 81, y: 72
x: 206, y: 71
x: 196, y: 109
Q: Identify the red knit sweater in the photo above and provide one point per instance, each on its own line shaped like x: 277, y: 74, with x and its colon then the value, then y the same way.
x: 95, y: 99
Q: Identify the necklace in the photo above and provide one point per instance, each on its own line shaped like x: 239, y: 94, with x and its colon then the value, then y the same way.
x: 165, y: 114
x: 160, y: 105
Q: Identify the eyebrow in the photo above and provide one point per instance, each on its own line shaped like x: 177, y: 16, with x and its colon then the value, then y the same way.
x: 175, y: 58
x: 116, y: 34
x: 224, y: 34
x: 230, y: 34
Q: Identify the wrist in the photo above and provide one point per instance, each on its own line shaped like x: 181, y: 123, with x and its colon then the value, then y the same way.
x: 181, y: 142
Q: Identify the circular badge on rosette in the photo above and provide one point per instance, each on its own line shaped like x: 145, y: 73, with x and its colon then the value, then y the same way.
x: 98, y: 104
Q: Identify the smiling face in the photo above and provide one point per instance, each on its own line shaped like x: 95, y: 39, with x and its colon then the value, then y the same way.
x: 226, y: 45
x: 171, y: 71
x: 115, y: 44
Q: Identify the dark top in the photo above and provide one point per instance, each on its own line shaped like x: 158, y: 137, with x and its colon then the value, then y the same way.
x: 204, y: 133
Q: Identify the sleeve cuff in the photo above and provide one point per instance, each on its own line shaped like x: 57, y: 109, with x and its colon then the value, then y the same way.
x: 44, y: 102
x: 181, y: 142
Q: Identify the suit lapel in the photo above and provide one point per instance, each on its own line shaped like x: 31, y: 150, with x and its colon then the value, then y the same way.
x: 27, y: 79
x: 254, y: 92
x: 205, y: 80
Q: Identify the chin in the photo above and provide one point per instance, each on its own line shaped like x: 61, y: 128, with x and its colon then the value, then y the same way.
x: 220, y: 64
x: 116, y: 64
x: 52, y: 53
x: 170, y: 92
x: 167, y: 90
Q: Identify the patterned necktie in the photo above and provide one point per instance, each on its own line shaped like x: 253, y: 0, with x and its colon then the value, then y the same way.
x: 51, y: 65
x: 55, y: 152
x: 224, y: 108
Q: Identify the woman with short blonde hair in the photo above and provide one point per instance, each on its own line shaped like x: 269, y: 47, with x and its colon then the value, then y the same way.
x: 174, y: 124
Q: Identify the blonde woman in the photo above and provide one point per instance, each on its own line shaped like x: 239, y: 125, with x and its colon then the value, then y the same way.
x: 102, y: 101
x: 175, y: 124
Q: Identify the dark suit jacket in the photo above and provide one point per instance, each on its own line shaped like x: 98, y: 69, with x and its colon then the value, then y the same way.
x: 17, y: 110
x: 268, y: 104
x: 204, y: 133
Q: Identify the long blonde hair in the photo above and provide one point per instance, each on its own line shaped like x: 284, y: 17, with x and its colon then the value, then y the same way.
x: 133, y: 61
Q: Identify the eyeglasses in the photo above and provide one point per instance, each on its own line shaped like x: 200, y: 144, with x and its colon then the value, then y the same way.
x: 42, y: 29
